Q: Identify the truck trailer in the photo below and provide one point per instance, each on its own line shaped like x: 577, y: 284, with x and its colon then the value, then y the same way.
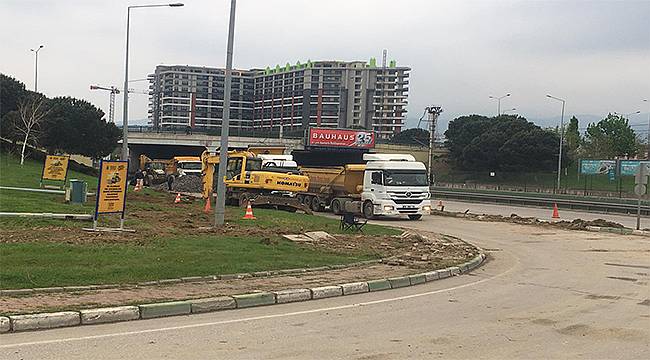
x: 386, y: 185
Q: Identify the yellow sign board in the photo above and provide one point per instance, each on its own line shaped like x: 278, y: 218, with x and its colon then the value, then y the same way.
x: 56, y: 167
x: 111, y: 192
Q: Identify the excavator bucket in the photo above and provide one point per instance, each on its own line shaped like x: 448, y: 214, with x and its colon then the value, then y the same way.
x: 281, y: 203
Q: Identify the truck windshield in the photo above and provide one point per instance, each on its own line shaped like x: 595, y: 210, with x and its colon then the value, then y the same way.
x: 405, y: 178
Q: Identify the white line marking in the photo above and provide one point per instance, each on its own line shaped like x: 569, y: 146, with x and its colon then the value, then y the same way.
x: 92, y: 337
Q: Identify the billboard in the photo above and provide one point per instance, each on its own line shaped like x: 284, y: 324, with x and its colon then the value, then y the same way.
x: 597, y: 167
x: 629, y: 167
x: 359, y: 139
x: 111, y: 191
x: 56, y: 167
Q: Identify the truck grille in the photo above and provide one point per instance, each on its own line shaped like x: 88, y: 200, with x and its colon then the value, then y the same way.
x: 407, y: 201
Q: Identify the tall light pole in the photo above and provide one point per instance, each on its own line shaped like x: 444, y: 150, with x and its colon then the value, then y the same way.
x: 498, y: 99
x: 559, y: 157
x: 125, y: 107
x: 220, y: 207
x: 648, y: 136
x: 36, y: 67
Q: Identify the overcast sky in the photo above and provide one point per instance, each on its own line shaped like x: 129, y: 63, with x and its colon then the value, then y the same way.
x: 595, y: 54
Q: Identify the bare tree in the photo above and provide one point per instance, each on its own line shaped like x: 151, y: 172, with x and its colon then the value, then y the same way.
x: 31, y: 113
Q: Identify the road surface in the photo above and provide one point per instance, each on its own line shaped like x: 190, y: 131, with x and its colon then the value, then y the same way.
x: 544, y: 293
x: 541, y: 213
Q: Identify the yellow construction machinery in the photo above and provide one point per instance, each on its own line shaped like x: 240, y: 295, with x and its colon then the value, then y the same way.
x: 247, y: 181
x: 167, y: 170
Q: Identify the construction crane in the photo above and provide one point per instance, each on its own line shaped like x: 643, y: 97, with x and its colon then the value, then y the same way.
x: 113, y: 90
x: 111, y: 107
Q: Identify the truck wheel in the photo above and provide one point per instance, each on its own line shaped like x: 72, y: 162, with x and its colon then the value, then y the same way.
x: 315, y: 204
x: 336, y: 206
x: 415, y: 217
x: 368, y: 210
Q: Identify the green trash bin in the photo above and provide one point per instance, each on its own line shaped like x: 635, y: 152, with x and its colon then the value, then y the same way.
x: 78, y: 191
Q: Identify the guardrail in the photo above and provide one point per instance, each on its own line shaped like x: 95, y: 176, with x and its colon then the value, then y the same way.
x: 595, y: 206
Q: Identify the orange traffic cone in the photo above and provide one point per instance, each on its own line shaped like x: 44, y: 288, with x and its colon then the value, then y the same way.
x: 207, y: 209
x: 137, y: 185
x: 556, y: 214
x: 178, y: 198
x: 249, y: 212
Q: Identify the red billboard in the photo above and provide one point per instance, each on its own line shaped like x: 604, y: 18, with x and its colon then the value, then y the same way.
x: 361, y: 139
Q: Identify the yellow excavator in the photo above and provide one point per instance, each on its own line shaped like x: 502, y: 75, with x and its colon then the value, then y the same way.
x: 247, y: 181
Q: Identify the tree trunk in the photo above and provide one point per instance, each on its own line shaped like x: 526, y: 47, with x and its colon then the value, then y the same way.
x: 22, y: 152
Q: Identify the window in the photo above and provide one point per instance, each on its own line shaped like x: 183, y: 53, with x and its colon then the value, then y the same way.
x: 375, y: 178
x: 357, y: 107
x: 357, y: 87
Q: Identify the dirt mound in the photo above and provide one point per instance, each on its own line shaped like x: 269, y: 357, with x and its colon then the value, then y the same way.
x: 187, y: 183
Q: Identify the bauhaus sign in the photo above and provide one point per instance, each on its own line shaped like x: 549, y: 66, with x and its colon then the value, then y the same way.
x: 362, y: 139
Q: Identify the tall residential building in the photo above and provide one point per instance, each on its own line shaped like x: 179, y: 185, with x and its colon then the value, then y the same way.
x: 292, y: 97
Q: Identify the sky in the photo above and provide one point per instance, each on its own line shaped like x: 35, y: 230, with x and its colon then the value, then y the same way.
x: 593, y: 54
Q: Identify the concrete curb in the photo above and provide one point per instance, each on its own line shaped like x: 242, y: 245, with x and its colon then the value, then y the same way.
x: 147, y: 311
x: 622, y: 231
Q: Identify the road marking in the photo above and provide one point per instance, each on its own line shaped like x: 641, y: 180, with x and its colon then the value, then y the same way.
x: 254, y: 318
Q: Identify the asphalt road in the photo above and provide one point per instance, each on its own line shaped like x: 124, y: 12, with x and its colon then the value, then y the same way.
x: 541, y: 213
x: 544, y: 293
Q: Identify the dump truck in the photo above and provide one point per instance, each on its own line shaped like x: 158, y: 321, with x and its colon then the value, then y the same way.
x: 387, y: 184
x: 167, y: 170
x: 247, y: 181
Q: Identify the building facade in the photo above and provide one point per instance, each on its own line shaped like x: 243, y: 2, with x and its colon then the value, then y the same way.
x: 288, y: 98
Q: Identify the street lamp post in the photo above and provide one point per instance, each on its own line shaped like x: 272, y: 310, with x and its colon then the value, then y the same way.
x: 498, y: 99
x: 36, y: 67
x: 559, y: 157
x: 220, y: 207
x: 648, y: 136
x: 125, y: 107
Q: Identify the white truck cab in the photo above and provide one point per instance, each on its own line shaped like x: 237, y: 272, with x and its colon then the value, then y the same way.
x: 395, y: 184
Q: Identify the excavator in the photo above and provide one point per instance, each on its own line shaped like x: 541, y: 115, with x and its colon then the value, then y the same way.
x: 246, y: 181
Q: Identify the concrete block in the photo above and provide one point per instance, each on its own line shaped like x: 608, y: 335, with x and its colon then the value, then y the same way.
x: 354, y: 288
x: 326, y: 291
x: 49, y: 289
x: 292, y: 295
x: 261, y: 274
x: 398, y: 282
x: 44, y: 320
x: 255, y: 299
x: 108, y: 315
x: 212, y: 304
x: 454, y: 270
x: 377, y: 285
x: 5, y: 324
x: 464, y: 267
x: 444, y: 273
x: 431, y: 276
x: 169, y: 281
x: 148, y: 311
x: 77, y: 288
x: 320, y: 268
x: 192, y: 279
x: 417, y: 279
x: 17, y: 292
x: 319, y: 236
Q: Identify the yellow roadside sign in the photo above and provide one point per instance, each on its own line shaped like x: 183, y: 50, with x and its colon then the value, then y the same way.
x: 56, y: 167
x: 111, y: 192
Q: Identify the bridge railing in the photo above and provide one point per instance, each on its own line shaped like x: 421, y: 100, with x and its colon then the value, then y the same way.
x: 240, y: 132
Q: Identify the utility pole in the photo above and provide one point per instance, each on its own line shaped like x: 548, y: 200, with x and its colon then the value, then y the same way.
x: 432, y: 113
x: 220, y: 207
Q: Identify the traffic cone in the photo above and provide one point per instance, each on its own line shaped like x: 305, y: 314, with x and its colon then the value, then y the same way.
x: 207, y: 209
x: 249, y: 212
x: 178, y: 198
x: 556, y: 214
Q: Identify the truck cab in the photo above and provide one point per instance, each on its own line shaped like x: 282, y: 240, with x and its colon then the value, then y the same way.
x: 187, y: 165
x: 395, y: 184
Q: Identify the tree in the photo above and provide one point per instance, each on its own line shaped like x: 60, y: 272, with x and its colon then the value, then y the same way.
x: 414, y: 136
x: 28, y: 119
x: 76, y: 126
x: 505, y: 142
x: 11, y: 91
x: 609, y: 138
x: 572, y: 139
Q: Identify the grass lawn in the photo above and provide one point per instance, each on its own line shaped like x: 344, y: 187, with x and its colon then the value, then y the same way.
x: 29, y: 174
x: 40, y: 264
x: 168, y: 241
